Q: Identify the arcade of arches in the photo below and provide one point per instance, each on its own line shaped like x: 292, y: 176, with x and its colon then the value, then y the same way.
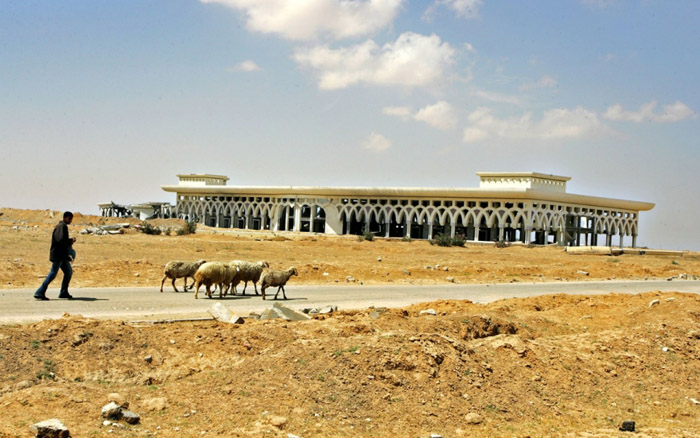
x: 516, y: 207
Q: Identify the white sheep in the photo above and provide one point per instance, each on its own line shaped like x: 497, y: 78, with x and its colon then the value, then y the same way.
x: 177, y: 269
x: 276, y: 278
x: 249, y: 272
x: 214, y: 273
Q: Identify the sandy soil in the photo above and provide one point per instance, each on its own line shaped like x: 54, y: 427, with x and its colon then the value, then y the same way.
x: 547, y: 366
x: 137, y: 259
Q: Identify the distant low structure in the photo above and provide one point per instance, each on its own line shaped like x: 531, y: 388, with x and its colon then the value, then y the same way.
x: 525, y: 207
x: 143, y: 211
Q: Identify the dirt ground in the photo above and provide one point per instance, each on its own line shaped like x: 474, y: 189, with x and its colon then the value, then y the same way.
x: 573, y: 366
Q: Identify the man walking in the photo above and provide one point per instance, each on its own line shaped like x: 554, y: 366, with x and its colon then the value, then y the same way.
x: 61, y: 246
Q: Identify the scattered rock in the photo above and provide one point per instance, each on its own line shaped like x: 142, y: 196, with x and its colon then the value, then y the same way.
x: 450, y: 279
x: 350, y: 279
x: 130, y: 417
x: 155, y: 404
x: 116, y: 398
x: 328, y: 309
x: 379, y: 259
x: 277, y: 421
x: 428, y: 312
x: 473, y: 418
x: 222, y: 314
x: 627, y: 426
x: 653, y: 303
x: 579, y: 272
x: 52, y: 428
x: 112, y: 411
x: 148, y: 358
x: 281, y: 311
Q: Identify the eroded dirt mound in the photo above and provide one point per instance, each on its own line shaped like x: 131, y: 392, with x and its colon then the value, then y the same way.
x: 546, y: 366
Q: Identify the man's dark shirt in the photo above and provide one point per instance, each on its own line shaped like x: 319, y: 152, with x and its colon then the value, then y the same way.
x: 60, y: 243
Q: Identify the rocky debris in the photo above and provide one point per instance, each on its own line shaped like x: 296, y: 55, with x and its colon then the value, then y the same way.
x: 379, y: 259
x: 473, y: 418
x: 654, y: 303
x: 350, y: 279
x: 155, y: 404
x: 222, y: 314
x: 627, y: 426
x: 584, y: 273
x: 106, y: 229
x: 277, y: 421
x: 112, y: 411
x: 328, y: 309
x: 322, y: 311
x: 450, y: 279
x: 512, y: 342
x: 52, y: 428
x: 428, y: 312
x: 130, y: 417
x: 280, y: 311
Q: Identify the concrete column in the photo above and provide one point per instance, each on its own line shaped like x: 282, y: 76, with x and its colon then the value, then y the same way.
x: 476, y: 233
x: 501, y: 230
x: 634, y: 240
x: 297, y: 218
x: 276, y: 215
x: 527, y: 230
x: 387, y: 226
x: 333, y: 223
x: 453, y: 229
x: 312, y: 217
x: 430, y: 231
x: 407, y: 228
x: 608, y: 239
x: 622, y: 236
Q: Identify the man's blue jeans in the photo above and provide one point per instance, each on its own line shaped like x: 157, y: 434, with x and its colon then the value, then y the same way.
x: 65, y: 266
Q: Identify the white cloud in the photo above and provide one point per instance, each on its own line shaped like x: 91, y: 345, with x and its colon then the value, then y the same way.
x: 402, y: 112
x: 465, y: 8
x: 555, y: 124
x: 440, y: 115
x: 412, y: 60
x: 245, y: 66
x: 671, y: 113
x: 309, y: 19
x: 497, y: 97
x: 376, y: 143
x: 543, y: 82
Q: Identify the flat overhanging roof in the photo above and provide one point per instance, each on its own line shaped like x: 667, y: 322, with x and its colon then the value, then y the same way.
x: 411, y: 192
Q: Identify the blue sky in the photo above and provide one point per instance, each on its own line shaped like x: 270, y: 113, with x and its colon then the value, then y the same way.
x: 105, y: 101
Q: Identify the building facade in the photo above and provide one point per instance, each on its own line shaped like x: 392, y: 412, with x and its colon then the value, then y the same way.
x: 527, y: 207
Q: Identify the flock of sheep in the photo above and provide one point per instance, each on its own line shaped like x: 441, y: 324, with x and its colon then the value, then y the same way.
x: 227, y: 276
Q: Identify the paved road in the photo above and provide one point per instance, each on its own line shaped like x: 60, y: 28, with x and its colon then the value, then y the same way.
x: 18, y: 306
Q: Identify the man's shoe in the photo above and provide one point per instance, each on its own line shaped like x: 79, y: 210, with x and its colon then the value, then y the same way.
x: 66, y: 296
x: 41, y: 298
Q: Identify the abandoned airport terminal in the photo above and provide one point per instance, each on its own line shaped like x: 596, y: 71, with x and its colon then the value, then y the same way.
x: 525, y: 207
